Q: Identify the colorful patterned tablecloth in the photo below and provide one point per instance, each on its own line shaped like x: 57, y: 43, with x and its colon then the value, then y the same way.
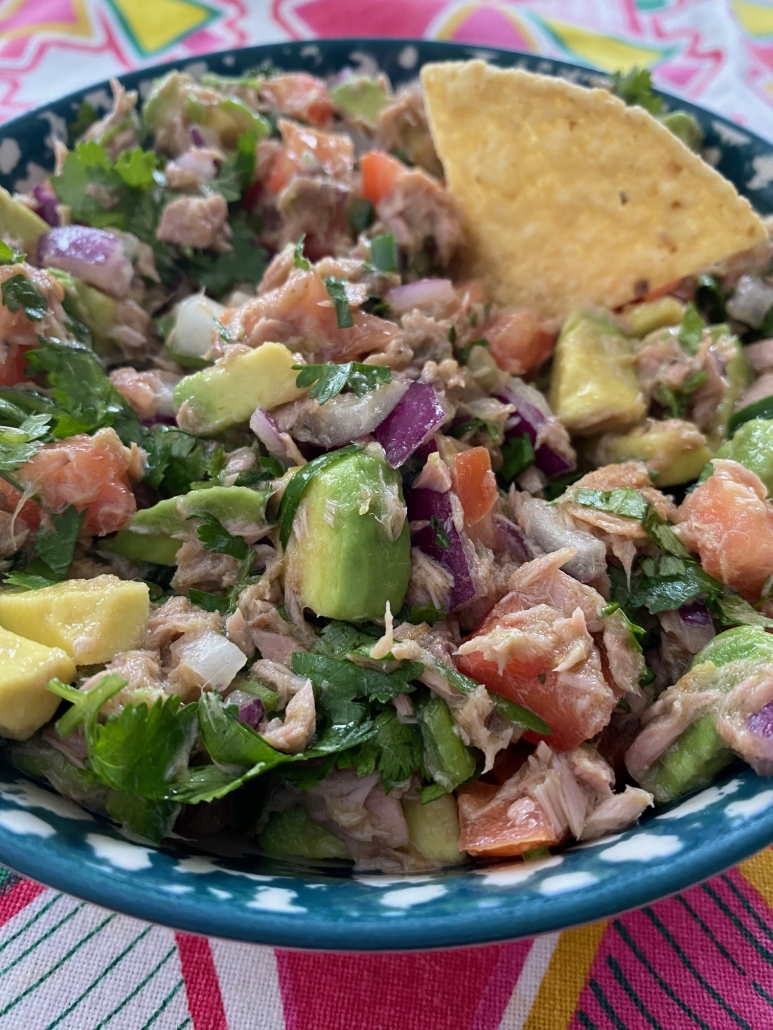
x: 703, y: 959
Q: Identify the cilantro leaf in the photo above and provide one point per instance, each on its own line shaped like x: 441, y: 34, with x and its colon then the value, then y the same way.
x: 691, y: 329
x: 20, y: 294
x: 176, y: 459
x: 341, y: 680
x: 86, y: 116
x: 424, y: 613
x: 85, y: 704
x: 383, y: 252
x: 395, y: 749
x: 54, y: 547
x: 210, y: 602
x: 466, y: 350
x: 517, y: 456
x: 216, y: 538
x: 360, y: 214
x: 509, y: 709
x: 635, y: 89
x: 678, y: 400
x: 144, y: 750
x: 339, y: 639
x: 238, y: 169
x: 300, y: 261
x: 266, y: 467
x: 9, y: 255
x: 471, y: 425
x: 336, y: 289
x: 625, y: 502
x: 136, y: 168
x: 441, y: 537
x: 229, y: 742
x: 662, y: 584
x: 19, y: 444
x: 245, y: 262
x: 328, y: 380
x: 152, y: 820
x: 733, y: 610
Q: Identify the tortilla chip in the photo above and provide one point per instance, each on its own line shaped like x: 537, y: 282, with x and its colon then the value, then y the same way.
x: 570, y: 197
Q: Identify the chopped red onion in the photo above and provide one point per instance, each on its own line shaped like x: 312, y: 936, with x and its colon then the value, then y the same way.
x: 695, y: 614
x: 414, y: 418
x: 252, y: 712
x: 267, y: 431
x: 511, y: 539
x: 93, y: 255
x: 530, y: 416
x: 432, y: 294
x: 47, y: 203
x: 196, y: 137
x: 761, y: 722
x: 424, y: 505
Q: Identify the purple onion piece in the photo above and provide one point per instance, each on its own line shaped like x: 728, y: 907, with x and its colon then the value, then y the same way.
x: 267, y: 431
x: 414, y: 418
x: 196, y: 138
x: 426, y: 293
x: 511, y: 539
x: 424, y: 505
x: 252, y: 713
x: 93, y: 255
x: 47, y: 203
x: 695, y: 614
x: 551, y: 462
x: 761, y: 722
x: 527, y: 420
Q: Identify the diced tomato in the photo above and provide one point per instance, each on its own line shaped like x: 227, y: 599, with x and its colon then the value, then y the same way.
x: 508, y: 827
x: 310, y: 149
x: 519, y: 341
x: 89, y: 472
x: 474, y: 483
x: 300, y: 95
x: 380, y: 173
x: 12, y: 369
x: 728, y: 520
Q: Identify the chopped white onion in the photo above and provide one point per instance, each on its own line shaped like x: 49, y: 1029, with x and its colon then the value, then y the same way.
x: 751, y: 301
x: 211, y: 658
x: 193, y: 332
x: 431, y: 295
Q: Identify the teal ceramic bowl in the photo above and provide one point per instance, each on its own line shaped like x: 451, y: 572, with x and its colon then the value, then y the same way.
x: 228, y: 892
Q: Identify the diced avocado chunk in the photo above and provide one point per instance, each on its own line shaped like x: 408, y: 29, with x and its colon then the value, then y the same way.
x: 239, y: 508
x: 650, y: 315
x: 593, y: 385
x: 227, y: 393
x: 228, y: 117
x: 673, y: 450
x: 294, y: 833
x: 737, y: 644
x: 93, y: 307
x: 92, y: 620
x: 350, y: 551
x: 738, y: 375
x: 691, y: 762
x: 685, y: 128
x: 26, y: 666
x: 447, y: 760
x: 434, y: 829
x: 194, y: 324
x: 361, y: 98
x: 752, y: 447
x: 167, y: 94
x: 18, y: 224
x: 150, y: 547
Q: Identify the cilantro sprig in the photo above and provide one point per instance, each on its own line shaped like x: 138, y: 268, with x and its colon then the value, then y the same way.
x: 20, y: 294
x: 328, y: 380
x: 336, y: 289
x: 19, y: 444
x: 53, y: 552
x: 216, y: 538
x: 9, y: 255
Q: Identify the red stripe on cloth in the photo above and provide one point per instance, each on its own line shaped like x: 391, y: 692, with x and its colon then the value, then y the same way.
x: 205, y: 1002
x: 17, y: 898
x: 439, y: 990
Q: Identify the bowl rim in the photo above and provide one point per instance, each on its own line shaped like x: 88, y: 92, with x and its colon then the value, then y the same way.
x: 518, y: 917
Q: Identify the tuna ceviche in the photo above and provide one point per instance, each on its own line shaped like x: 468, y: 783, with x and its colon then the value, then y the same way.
x: 385, y: 474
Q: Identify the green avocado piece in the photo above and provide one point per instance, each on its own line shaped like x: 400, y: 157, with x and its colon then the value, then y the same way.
x: 434, y: 829
x: 228, y: 392
x: 239, y: 508
x: 350, y: 551
x: 593, y: 385
x: 447, y: 760
x: 228, y: 117
x: 150, y: 547
x: 738, y: 375
x: 361, y: 98
x: 685, y: 128
x: 650, y: 315
x: 752, y: 446
x: 294, y: 832
x: 93, y: 307
x: 167, y: 94
x: 18, y: 224
x: 697, y: 755
x: 674, y: 451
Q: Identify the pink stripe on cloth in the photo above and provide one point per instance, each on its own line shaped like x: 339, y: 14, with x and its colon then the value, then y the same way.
x: 18, y: 897
x: 501, y: 985
x: 205, y: 1002
x: 442, y: 990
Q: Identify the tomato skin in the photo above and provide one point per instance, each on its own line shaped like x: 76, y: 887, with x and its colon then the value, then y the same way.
x: 380, y: 173
x: 12, y: 369
x: 508, y: 827
x: 90, y: 473
x: 728, y: 520
x: 300, y: 95
x: 474, y: 483
x: 519, y: 341
x: 334, y: 154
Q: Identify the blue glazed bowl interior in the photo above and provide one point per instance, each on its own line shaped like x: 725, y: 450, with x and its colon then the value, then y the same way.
x: 230, y: 892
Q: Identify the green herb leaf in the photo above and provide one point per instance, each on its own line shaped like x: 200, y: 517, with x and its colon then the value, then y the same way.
x: 216, y: 538
x: 509, y: 709
x: 296, y: 487
x: 425, y: 613
x: 441, y: 537
x: 9, y: 255
x: 517, y: 456
x: 431, y: 792
x: 395, y: 750
x: 20, y: 294
x: 678, y: 400
x: 341, y: 681
x: 383, y: 252
x: 300, y: 261
x: 760, y: 409
x: 340, y: 639
x: 237, y: 172
x: 336, y: 289
x: 733, y: 610
x: 265, y: 467
x: 210, y: 602
x: 710, y: 299
x: 328, y: 380
x: 176, y: 460
x: 86, y: 704
x: 635, y: 89
x: 84, y: 119
x: 360, y: 214
x: 691, y: 329
x: 245, y: 262
x: 54, y: 547
x: 626, y: 502
x: 472, y: 425
x: 19, y: 444
x: 464, y: 352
